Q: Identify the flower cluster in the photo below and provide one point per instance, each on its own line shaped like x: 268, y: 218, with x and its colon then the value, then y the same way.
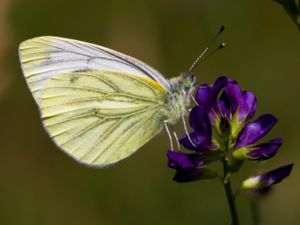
x: 221, y: 129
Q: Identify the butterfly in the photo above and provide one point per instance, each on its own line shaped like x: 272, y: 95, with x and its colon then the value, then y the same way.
x: 98, y: 105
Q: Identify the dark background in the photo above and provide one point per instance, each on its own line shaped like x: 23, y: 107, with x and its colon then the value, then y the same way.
x: 40, y: 185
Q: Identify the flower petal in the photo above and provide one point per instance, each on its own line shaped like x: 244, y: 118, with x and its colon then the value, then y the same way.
x: 265, y: 150
x: 200, y: 123
x: 196, y: 139
x: 255, y: 130
x: 219, y: 84
x: 203, y: 95
x: 224, y: 105
x: 250, y: 103
x: 179, y: 160
x: 206, y: 95
x: 234, y: 93
x: 220, y: 108
x: 276, y: 176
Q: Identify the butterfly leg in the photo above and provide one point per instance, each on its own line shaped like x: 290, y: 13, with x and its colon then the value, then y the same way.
x: 176, y: 137
x: 194, y: 100
x: 186, y: 130
x: 169, y: 135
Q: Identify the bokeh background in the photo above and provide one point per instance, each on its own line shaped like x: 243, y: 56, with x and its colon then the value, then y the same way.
x: 40, y: 185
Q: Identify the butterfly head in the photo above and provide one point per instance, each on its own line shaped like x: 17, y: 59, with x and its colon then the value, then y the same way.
x: 188, y: 82
x: 184, y: 84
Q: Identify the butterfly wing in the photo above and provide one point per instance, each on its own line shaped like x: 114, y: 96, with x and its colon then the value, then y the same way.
x: 98, y: 105
x: 100, y: 117
x: 46, y: 56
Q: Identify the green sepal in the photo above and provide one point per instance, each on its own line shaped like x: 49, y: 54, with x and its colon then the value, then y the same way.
x: 208, y: 173
x: 212, y: 156
x: 241, y: 153
x: 216, y: 125
x: 236, y: 125
x: 251, y: 183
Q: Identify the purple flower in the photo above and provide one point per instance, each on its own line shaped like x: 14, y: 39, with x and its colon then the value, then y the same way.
x: 254, y: 131
x: 229, y: 110
x: 265, y: 150
x: 221, y: 130
x: 262, y: 151
x: 179, y: 160
x: 222, y: 101
x: 201, y: 134
x: 266, y: 180
x: 191, y: 166
x: 232, y: 101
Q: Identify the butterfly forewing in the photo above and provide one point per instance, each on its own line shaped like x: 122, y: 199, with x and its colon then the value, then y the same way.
x: 100, y: 117
x: 45, y: 57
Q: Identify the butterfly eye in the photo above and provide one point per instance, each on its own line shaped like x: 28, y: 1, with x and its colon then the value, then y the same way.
x: 186, y: 85
x: 189, y: 81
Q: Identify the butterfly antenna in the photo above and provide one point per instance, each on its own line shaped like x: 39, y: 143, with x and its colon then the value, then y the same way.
x: 195, y: 63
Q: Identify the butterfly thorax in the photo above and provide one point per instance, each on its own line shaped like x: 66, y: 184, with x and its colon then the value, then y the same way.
x: 179, y: 97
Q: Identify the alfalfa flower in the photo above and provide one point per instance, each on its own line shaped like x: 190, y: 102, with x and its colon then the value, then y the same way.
x: 222, y: 130
x: 190, y: 166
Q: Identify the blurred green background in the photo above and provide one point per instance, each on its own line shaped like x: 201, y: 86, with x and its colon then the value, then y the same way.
x: 40, y: 185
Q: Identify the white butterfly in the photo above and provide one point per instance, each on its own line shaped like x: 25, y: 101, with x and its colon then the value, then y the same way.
x: 99, y: 105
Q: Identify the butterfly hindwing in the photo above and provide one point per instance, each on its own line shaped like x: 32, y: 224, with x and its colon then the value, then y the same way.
x: 100, y: 117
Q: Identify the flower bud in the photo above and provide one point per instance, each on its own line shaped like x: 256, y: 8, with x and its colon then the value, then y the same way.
x: 268, y: 179
x: 258, y: 152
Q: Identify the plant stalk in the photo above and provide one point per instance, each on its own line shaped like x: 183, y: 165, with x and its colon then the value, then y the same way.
x: 229, y: 195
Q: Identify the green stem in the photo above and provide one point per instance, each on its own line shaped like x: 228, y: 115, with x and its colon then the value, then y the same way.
x: 229, y: 195
x: 255, y: 212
